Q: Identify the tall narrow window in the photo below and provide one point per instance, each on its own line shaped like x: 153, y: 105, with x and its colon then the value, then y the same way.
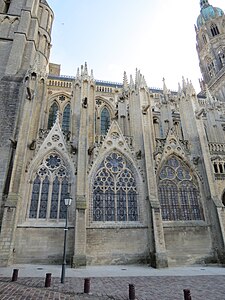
x: 105, y: 121
x: 214, y: 30
x: 52, y: 115
x: 66, y: 119
x: 50, y: 187
x: 115, y: 191
x: 178, y: 191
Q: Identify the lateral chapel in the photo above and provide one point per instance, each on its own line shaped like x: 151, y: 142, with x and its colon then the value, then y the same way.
x: 145, y: 168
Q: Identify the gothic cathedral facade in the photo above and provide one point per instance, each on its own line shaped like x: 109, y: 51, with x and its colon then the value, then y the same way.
x: 145, y: 168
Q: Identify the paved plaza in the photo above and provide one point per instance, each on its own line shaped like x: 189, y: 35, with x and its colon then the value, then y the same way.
x: 112, y: 282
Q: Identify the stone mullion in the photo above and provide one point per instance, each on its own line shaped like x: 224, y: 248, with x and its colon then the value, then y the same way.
x: 59, y: 197
x: 39, y: 198
x: 49, y: 198
x: 116, y: 195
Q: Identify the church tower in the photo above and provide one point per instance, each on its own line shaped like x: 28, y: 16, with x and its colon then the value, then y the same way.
x: 25, y: 41
x: 210, y: 32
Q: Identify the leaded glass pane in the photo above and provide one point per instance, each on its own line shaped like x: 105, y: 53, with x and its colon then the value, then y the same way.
x: 35, y: 198
x: 44, y: 198
x: 109, y: 205
x: 114, y: 191
x: 98, y: 199
x: 52, y: 115
x: 64, y: 193
x: 105, y: 121
x: 178, y: 195
x: 66, y: 119
x: 50, y: 189
x: 132, y: 206
x: 121, y: 206
x: 55, y: 199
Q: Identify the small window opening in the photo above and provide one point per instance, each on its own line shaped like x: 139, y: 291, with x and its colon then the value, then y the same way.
x: 214, y: 30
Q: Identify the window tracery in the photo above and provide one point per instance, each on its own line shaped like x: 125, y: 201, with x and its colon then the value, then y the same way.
x: 50, y: 187
x: 52, y: 115
x: 115, y: 191
x: 66, y: 119
x: 179, y: 194
x: 105, y: 121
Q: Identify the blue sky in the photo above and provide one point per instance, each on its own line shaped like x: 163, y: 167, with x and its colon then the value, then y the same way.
x: 155, y: 36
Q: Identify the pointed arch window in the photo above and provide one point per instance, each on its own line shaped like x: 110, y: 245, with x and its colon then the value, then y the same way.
x: 105, y: 121
x: 52, y: 115
x: 214, y: 29
x: 115, y: 195
x: 157, y: 128
x: 211, y: 68
x: 66, y: 119
x: 49, y: 189
x: 178, y: 192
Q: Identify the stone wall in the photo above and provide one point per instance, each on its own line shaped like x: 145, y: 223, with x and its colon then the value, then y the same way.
x: 42, y: 245
x: 117, y: 245
x: 188, y: 244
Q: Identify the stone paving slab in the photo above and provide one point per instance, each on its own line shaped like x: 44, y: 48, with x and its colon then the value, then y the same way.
x: 147, y: 288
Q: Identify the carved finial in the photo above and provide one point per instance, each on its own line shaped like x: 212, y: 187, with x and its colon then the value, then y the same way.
x: 125, y: 81
x: 82, y: 70
x: 179, y: 89
x: 137, y: 74
x: 85, y: 69
x: 208, y: 95
x: 192, y: 88
x: 184, y: 84
x: 78, y: 73
x: 92, y: 74
x: 131, y: 81
x: 165, y: 90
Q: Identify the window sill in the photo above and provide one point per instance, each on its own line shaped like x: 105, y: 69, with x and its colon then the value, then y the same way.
x: 168, y: 224
x: 43, y: 224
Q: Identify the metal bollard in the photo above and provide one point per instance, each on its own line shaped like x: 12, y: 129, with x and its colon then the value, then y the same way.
x: 131, y: 292
x: 87, y: 285
x: 48, y: 279
x: 15, y: 274
x: 187, y: 294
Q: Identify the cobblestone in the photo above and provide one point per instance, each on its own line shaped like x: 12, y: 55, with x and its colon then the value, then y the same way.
x: 147, y: 288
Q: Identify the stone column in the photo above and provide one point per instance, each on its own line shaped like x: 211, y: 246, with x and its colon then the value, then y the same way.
x: 79, y: 257
x: 160, y: 256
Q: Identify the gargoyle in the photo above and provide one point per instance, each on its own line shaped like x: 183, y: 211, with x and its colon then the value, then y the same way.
x: 199, y: 113
x: 32, y: 145
x: 138, y: 154
x: 196, y: 160
x: 14, y: 143
x: 73, y: 149
x: 29, y: 94
x: 91, y: 149
x: 145, y: 108
x: 85, y: 102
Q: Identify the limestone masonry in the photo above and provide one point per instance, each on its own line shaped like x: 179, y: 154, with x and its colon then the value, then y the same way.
x: 145, y: 168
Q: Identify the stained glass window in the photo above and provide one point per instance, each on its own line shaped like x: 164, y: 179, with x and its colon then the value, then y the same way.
x: 105, y: 121
x: 178, y: 191
x: 50, y: 187
x: 115, y: 191
x: 66, y: 119
x: 52, y: 115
